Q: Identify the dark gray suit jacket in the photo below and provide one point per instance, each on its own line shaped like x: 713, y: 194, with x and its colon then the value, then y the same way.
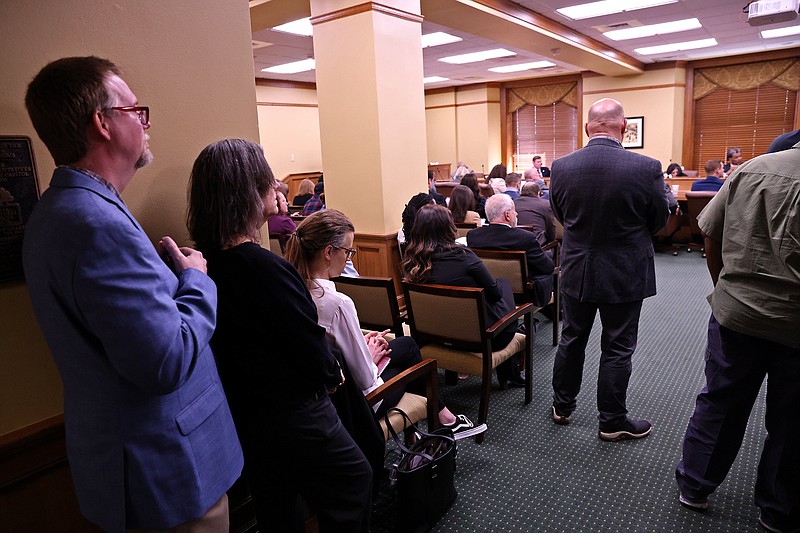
x: 610, y: 201
x: 502, y: 237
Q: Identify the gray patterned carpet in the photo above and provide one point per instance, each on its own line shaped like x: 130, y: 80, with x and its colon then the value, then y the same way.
x: 531, y: 475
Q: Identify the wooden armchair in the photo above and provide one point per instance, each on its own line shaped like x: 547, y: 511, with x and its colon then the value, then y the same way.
x: 462, y: 228
x: 450, y: 325
x: 695, y: 202
x: 513, y: 266
x: 416, y: 407
x: 376, y: 301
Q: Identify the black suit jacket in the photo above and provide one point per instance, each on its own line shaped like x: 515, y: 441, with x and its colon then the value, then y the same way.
x: 502, y: 237
x: 610, y: 201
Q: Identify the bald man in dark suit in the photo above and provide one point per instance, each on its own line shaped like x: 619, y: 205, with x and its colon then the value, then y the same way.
x: 610, y: 202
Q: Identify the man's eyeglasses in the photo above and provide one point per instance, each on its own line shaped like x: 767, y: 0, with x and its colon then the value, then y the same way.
x: 349, y: 252
x: 143, y: 112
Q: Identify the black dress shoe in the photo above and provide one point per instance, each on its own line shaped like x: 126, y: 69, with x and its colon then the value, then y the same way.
x: 516, y: 381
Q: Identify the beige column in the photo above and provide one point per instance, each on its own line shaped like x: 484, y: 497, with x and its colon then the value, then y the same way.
x: 371, y: 108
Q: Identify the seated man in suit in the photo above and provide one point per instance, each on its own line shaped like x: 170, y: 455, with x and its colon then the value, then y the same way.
x: 734, y: 158
x: 534, y: 211
x: 512, y: 185
x: 502, y: 234
x: 537, y: 170
x: 713, y: 180
x: 438, y: 198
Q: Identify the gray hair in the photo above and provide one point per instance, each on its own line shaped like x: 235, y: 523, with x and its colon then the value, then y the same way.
x: 531, y: 189
x: 498, y: 204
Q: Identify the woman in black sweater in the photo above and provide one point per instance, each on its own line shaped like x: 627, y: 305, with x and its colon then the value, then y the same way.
x: 274, y: 362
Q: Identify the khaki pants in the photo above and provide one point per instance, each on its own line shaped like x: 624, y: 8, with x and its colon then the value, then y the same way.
x: 214, y: 521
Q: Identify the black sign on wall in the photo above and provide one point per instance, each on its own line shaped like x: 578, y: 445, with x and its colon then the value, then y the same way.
x: 19, y: 192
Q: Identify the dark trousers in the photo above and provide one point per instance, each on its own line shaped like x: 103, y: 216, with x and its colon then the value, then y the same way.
x: 306, y: 451
x: 617, y: 344
x: 736, y: 365
x: 405, y: 354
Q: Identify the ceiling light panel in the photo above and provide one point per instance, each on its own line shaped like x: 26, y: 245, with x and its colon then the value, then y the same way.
x: 292, y: 68
x: 608, y: 7
x: 474, y: 57
x: 438, y: 38
x: 653, y: 29
x: 676, y: 47
x: 523, y: 66
x: 780, y: 32
x: 434, y: 79
x: 297, y: 27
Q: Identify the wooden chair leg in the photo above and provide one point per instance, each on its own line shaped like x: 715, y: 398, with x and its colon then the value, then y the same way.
x: 483, y: 410
x: 530, y: 340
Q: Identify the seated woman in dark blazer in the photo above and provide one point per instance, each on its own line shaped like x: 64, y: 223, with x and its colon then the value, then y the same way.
x: 432, y: 256
x: 319, y: 249
x: 273, y: 359
x: 304, y: 193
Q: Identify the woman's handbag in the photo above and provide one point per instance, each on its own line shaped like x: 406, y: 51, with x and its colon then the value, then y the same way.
x: 425, y: 475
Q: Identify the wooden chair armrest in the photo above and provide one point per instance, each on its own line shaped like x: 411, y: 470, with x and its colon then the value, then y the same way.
x: 501, y: 324
x: 550, y: 245
x: 427, y: 366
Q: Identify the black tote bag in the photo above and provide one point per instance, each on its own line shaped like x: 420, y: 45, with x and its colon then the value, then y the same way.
x: 425, y: 477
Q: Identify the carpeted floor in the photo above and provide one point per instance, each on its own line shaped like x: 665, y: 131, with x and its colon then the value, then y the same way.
x: 531, y: 475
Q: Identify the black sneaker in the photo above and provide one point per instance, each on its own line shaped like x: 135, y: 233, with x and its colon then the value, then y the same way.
x: 463, y: 427
x: 629, y: 429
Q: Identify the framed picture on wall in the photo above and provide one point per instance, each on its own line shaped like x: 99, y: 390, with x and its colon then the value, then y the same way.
x: 634, y: 133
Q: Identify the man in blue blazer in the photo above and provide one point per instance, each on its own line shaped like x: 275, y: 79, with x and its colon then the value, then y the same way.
x: 150, y: 440
x: 610, y: 202
x: 713, y: 180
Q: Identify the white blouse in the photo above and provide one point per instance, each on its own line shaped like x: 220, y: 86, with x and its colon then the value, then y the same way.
x: 336, y: 312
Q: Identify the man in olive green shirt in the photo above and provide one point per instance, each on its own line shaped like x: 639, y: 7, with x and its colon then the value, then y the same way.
x: 752, y: 240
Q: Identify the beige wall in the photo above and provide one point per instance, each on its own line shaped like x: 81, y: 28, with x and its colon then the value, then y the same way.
x: 463, y: 124
x: 191, y: 62
x: 657, y: 95
x: 288, y: 124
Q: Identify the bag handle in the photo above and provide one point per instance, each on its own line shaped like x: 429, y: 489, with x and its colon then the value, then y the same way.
x: 410, y: 424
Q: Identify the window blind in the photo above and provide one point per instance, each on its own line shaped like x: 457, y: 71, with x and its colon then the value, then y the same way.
x: 748, y: 119
x: 550, y: 131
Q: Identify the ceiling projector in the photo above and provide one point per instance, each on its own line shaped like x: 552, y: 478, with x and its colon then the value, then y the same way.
x: 771, y: 11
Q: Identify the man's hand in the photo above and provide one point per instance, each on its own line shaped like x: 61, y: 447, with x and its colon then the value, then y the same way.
x: 180, y: 258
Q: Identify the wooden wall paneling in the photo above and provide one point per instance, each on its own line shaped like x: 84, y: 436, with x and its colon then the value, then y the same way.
x: 36, y: 489
x: 441, y: 171
x: 293, y: 181
x: 379, y: 255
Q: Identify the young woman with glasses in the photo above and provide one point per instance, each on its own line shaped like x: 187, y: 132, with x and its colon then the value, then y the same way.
x: 319, y: 249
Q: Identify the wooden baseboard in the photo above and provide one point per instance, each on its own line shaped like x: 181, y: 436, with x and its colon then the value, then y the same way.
x: 36, y: 489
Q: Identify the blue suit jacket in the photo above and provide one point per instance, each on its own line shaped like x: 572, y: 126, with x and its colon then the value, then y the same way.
x: 610, y: 202
x: 150, y: 439
x: 709, y: 183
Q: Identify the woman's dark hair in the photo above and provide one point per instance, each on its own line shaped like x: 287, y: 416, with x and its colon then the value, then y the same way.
x: 62, y: 99
x: 461, y: 201
x: 672, y: 167
x: 410, y: 211
x: 226, y: 190
x: 471, y: 180
x: 319, y: 230
x: 498, y: 171
x: 433, y: 231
